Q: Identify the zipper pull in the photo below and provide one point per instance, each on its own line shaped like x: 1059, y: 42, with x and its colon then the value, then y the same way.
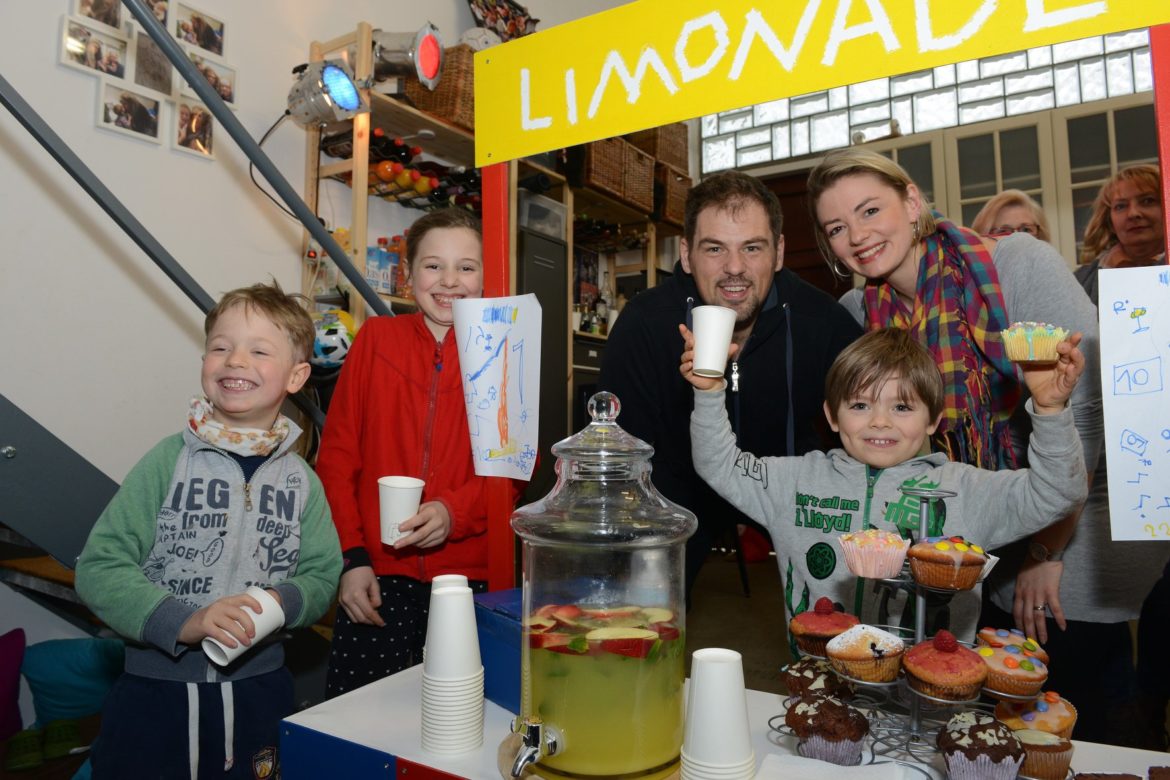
x: 735, y: 376
x: 248, y: 496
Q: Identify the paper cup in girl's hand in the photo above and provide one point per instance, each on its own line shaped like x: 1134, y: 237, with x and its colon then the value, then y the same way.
x: 266, y: 622
x: 713, y: 326
x: 398, y: 498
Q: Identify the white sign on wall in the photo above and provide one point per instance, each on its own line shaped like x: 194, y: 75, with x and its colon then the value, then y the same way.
x: 1135, y: 370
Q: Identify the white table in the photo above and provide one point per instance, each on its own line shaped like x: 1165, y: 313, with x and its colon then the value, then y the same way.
x: 375, y: 732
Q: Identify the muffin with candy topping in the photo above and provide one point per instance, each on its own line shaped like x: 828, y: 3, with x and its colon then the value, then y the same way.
x: 1046, y: 756
x: 866, y: 653
x: 828, y: 729
x: 946, y: 562
x: 976, y: 746
x: 1010, y: 671
x: 873, y: 553
x: 814, y: 676
x: 942, y: 668
x: 1050, y: 713
x: 814, y: 628
x: 1002, y: 637
x: 1032, y: 342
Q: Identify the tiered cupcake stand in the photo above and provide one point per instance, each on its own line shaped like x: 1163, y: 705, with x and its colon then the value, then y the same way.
x: 904, y: 722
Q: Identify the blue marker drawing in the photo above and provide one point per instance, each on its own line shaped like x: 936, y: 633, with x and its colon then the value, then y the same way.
x: 1138, y: 378
x: 1133, y: 442
x: 1140, y: 474
x: 1136, y: 315
x: 520, y: 349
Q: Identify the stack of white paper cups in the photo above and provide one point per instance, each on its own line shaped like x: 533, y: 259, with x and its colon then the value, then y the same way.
x: 452, y: 688
x: 717, y: 741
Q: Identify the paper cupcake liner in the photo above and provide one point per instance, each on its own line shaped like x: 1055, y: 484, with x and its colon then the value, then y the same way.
x: 1046, y: 764
x: 944, y: 575
x: 948, y: 692
x: 845, y: 752
x: 959, y: 767
x: 812, y: 645
x: 874, y: 562
x: 870, y: 669
x: 1003, y: 682
x: 1041, y: 348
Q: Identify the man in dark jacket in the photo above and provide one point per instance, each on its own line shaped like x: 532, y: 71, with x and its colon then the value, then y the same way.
x: 788, y: 332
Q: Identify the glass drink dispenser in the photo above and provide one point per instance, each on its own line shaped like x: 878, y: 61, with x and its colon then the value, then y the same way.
x: 603, y: 597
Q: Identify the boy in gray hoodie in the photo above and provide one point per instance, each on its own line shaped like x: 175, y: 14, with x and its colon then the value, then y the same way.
x: 221, y: 506
x: 884, y: 396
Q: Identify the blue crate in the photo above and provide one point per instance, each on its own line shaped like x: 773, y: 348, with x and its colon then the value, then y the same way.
x: 498, y: 622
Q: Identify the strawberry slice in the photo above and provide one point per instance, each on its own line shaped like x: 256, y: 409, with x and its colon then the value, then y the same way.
x: 568, y: 614
x: 666, y: 631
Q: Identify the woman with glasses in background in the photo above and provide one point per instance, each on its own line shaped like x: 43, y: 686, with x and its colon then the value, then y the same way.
x: 1127, y: 228
x: 1012, y: 211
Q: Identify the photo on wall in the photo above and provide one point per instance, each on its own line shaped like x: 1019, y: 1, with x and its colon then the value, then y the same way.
x: 193, y: 129
x: 159, y: 8
x: 151, y: 69
x: 197, y: 28
x: 221, y: 76
x: 128, y: 111
x: 93, y: 48
x: 105, y: 12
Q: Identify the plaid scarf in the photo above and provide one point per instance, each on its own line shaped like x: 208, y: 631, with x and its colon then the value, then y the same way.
x: 958, y: 314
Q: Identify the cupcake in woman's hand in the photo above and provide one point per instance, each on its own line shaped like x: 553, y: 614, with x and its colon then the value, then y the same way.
x: 814, y: 628
x: 942, y: 668
x: 866, y: 653
x: 828, y: 729
x: 1032, y: 342
x: 873, y: 553
x: 946, y: 562
x: 976, y: 746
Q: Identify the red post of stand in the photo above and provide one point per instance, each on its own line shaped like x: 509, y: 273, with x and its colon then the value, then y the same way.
x: 1160, y: 63
x: 496, y: 237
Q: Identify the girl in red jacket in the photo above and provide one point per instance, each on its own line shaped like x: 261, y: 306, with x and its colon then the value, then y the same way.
x: 398, y: 410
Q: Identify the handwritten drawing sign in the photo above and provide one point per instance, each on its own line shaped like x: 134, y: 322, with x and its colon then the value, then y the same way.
x: 1135, y: 371
x: 653, y: 62
x: 499, y: 357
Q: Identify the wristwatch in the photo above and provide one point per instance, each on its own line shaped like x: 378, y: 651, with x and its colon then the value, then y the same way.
x: 1039, y: 552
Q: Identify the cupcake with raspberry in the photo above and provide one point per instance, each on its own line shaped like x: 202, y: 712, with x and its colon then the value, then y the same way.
x: 813, y: 629
x: 976, y: 746
x: 1002, y: 637
x: 827, y: 729
x: 942, y: 668
x: 873, y: 553
x: 1011, y: 672
x: 946, y: 562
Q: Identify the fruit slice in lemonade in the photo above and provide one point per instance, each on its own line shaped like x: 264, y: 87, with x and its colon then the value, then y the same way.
x: 611, y: 680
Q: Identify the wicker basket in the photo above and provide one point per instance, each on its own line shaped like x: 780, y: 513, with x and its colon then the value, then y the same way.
x: 670, y: 194
x: 638, y: 179
x: 454, y: 98
x: 666, y: 144
x: 597, y: 165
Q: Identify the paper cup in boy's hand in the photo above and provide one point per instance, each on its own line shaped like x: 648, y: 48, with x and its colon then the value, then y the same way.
x: 713, y: 326
x: 265, y: 622
x: 398, y: 498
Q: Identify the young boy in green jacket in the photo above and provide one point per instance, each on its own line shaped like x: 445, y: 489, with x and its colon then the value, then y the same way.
x: 224, y: 505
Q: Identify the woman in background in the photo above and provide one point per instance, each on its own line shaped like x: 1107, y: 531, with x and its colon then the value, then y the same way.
x: 1012, y: 211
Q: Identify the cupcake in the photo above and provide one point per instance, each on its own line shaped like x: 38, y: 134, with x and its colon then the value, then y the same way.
x: 946, y: 562
x: 866, y: 653
x: 942, y: 668
x: 1046, y: 756
x: 976, y: 746
x: 1032, y: 342
x: 873, y: 553
x: 1002, y: 637
x: 1050, y: 713
x: 828, y: 729
x: 1110, y: 776
x: 1010, y: 671
x: 814, y: 676
x: 812, y: 629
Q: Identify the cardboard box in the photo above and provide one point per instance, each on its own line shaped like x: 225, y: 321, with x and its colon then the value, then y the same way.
x: 497, y: 620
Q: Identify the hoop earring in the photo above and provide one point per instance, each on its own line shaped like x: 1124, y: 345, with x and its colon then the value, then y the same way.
x: 916, y: 230
x: 839, y: 268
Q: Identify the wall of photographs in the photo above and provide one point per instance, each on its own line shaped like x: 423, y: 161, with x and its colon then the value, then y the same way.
x: 140, y: 94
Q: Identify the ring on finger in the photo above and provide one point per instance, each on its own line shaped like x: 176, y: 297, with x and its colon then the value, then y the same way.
x: 1040, y: 607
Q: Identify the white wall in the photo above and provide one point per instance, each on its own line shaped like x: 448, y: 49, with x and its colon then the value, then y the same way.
x: 98, y: 345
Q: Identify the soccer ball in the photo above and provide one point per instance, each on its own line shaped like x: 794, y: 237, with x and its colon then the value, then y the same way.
x: 334, y: 335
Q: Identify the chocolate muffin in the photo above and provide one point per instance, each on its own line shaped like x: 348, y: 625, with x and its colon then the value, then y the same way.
x: 815, y: 676
x: 976, y: 746
x: 1105, y: 776
x: 828, y: 729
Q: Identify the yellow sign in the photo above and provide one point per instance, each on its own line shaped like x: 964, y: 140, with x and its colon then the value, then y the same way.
x: 652, y: 62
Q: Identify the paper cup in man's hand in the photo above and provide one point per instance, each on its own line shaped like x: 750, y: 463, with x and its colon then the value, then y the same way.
x: 398, y: 498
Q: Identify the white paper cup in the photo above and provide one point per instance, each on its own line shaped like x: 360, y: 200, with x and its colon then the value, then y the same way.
x: 717, y: 732
x: 266, y: 622
x: 398, y: 499
x: 452, y: 646
x: 713, y: 326
x: 449, y: 581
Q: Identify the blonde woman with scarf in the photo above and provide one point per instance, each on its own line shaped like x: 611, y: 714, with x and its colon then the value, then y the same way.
x: 955, y: 290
